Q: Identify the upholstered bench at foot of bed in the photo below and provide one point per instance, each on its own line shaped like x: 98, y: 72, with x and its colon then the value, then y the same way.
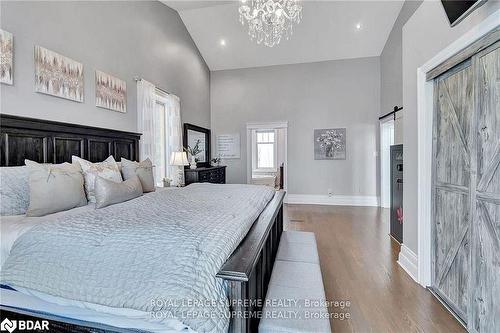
x: 296, y: 277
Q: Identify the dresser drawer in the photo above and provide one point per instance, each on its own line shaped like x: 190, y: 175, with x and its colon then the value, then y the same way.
x: 206, y: 175
x: 214, y: 176
x: 218, y: 176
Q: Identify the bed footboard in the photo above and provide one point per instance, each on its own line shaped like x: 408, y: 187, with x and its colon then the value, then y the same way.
x: 248, y: 270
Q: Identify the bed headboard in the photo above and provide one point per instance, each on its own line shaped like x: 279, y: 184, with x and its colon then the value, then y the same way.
x: 54, y: 142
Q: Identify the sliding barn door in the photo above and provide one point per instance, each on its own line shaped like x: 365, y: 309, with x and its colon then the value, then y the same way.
x: 454, y: 97
x: 485, y: 302
x: 466, y: 190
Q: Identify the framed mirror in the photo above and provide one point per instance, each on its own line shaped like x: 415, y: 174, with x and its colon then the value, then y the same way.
x: 198, y: 139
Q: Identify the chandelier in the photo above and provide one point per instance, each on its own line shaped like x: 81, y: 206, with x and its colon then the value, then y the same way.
x: 269, y: 20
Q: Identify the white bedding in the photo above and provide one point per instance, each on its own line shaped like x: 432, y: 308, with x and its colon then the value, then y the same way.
x: 12, y: 227
x: 198, y: 229
x: 95, y: 313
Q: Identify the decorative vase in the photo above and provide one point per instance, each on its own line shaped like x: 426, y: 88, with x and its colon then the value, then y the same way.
x: 166, y: 182
x: 329, y: 151
x: 192, y: 165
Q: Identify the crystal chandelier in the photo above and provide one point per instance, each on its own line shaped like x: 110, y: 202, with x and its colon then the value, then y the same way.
x: 269, y: 20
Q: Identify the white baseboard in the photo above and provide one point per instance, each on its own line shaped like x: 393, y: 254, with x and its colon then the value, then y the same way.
x: 335, y: 200
x: 408, y: 260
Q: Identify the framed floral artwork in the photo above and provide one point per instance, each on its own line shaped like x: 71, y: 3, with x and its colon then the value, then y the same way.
x: 330, y: 144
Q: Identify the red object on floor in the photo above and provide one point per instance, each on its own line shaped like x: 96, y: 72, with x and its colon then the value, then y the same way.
x: 399, y: 213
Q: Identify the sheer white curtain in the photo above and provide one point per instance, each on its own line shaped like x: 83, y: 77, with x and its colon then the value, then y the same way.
x: 159, y: 121
x: 146, y: 107
x: 173, y: 134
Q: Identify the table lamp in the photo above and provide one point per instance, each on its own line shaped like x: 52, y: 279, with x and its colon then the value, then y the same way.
x: 179, y: 158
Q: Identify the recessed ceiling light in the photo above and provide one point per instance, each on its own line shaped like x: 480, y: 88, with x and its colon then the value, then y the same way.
x: 358, y: 26
x: 222, y: 42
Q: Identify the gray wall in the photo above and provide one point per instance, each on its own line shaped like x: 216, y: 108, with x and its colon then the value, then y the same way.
x: 125, y: 39
x: 424, y: 35
x: 342, y: 93
x: 391, y: 68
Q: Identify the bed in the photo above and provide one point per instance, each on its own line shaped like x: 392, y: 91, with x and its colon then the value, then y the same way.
x: 244, y: 274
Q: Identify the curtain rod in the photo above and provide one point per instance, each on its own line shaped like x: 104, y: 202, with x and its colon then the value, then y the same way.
x: 393, y: 112
x: 137, y: 79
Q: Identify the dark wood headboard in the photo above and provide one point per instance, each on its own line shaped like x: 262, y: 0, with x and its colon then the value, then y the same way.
x: 54, y: 142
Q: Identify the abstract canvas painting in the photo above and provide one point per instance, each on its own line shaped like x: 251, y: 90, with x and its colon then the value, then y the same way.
x: 330, y: 144
x: 58, y: 75
x: 110, y: 92
x: 6, y: 57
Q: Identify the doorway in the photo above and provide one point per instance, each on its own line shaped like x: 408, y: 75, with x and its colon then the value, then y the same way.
x: 267, y: 154
x: 386, y: 141
x: 467, y: 43
x: 440, y: 130
x: 466, y: 189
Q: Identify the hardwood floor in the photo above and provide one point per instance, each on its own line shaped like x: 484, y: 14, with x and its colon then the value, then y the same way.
x: 358, y: 263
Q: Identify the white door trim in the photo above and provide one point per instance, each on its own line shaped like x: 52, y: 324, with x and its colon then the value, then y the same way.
x: 424, y: 124
x: 264, y: 125
x: 386, y: 126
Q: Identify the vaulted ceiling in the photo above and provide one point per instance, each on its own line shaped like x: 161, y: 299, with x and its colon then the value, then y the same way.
x: 329, y: 30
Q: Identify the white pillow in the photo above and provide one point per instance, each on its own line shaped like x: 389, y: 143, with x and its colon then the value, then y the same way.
x: 54, y: 188
x: 108, y: 192
x: 108, y: 169
x: 14, y: 190
x: 143, y: 170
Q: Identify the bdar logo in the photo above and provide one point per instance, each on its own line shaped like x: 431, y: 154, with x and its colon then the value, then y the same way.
x: 24, y: 325
x: 8, y: 325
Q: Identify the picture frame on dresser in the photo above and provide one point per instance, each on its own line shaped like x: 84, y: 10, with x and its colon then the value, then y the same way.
x: 192, y: 134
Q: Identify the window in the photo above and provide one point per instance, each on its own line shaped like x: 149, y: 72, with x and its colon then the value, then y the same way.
x: 265, y: 150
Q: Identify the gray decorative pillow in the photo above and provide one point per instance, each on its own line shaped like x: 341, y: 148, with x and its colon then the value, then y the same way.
x: 54, y: 188
x: 14, y: 190
x: 107, y: 192
x: 107, y: 169
x: 143, y: 170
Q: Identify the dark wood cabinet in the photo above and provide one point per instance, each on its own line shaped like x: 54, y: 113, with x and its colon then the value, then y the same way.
x: 214, y: 174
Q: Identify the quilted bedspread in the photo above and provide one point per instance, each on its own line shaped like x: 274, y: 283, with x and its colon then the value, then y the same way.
x: 157, y: 253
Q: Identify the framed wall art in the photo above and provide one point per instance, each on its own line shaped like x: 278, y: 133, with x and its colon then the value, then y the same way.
x: 330, y: 144
x: 110, y: 92
x: 58, y: 75
x: 6, y: 57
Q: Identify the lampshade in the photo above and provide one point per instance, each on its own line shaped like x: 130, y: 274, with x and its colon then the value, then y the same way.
x: 179, y: 158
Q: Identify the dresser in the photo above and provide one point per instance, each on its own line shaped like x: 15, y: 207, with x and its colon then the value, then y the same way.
x: 213, y: 174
